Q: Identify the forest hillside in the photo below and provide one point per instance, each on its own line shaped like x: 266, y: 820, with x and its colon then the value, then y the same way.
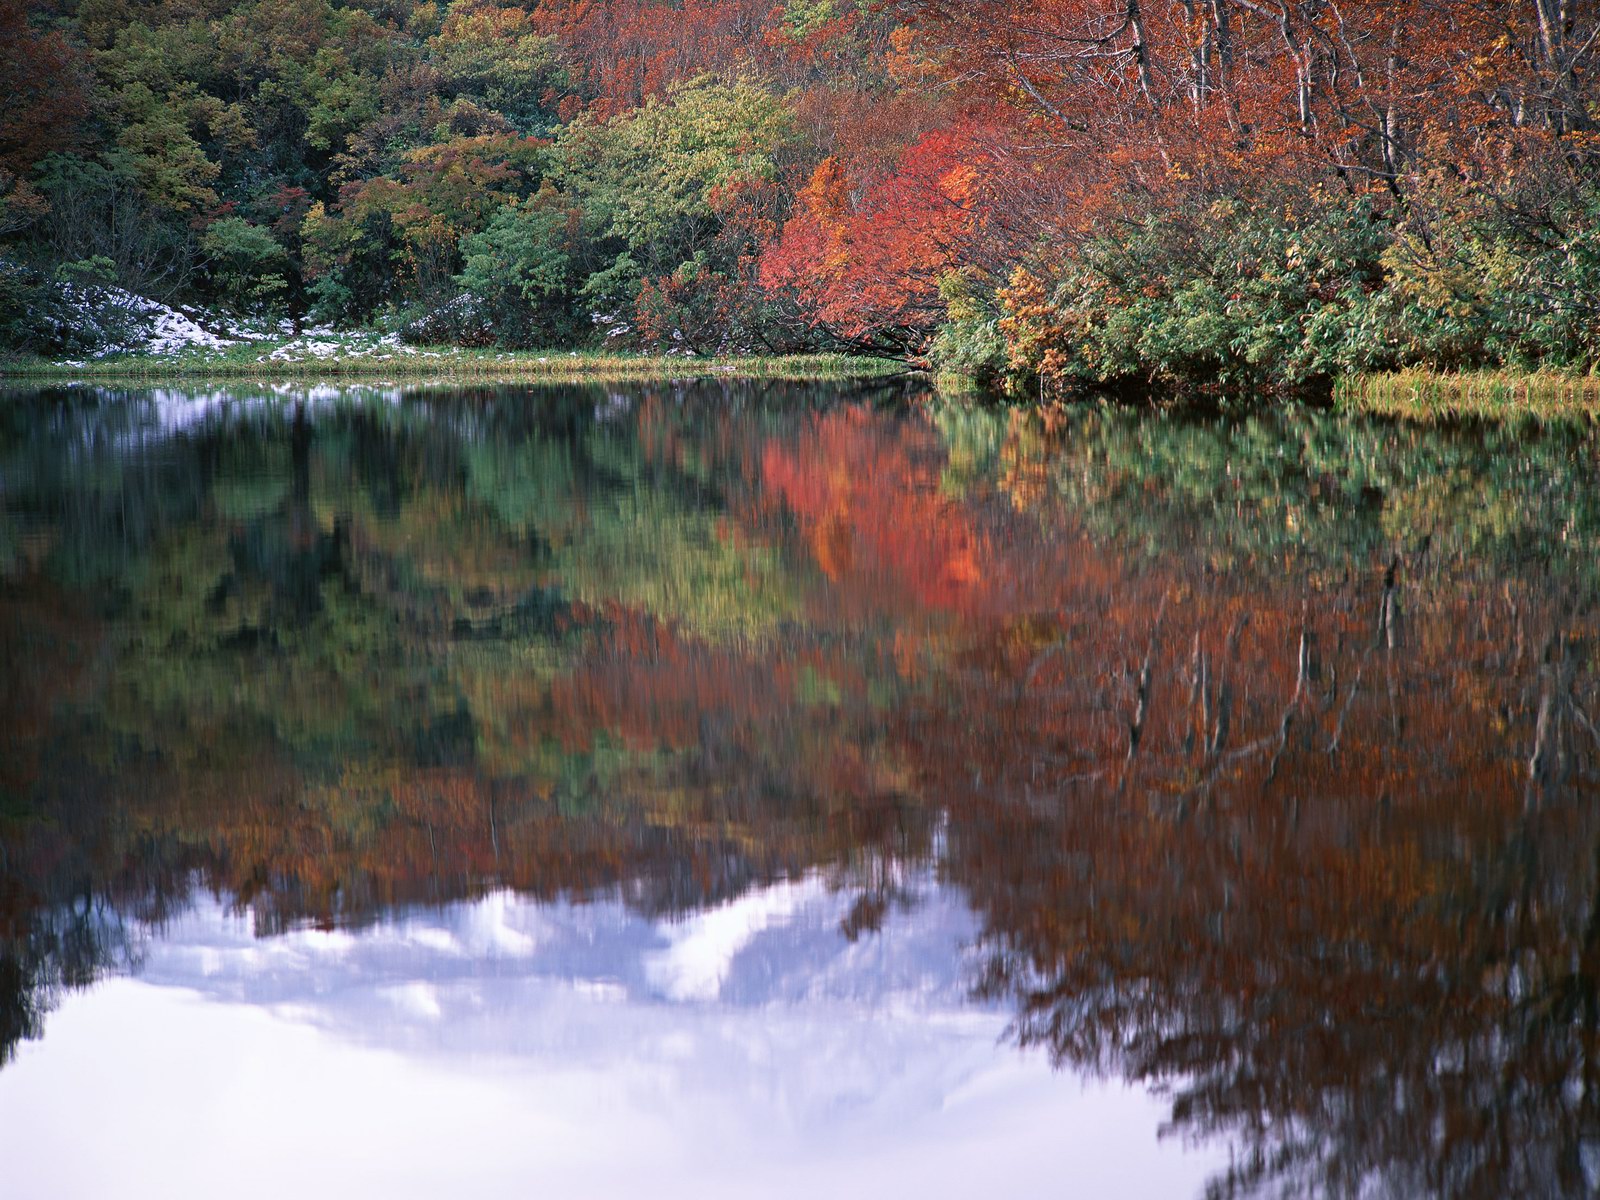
x: 1266, y: 193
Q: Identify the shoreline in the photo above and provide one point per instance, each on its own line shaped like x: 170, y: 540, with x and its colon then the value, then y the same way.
x: 1416, y: 395
x: 1428, y: 397
x: 267, y: 363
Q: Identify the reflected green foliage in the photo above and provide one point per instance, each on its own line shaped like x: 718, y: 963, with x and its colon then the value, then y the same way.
x: 1305, y: 485
x: 681, y: 563
x: 334, y: 586
x: 1227, y: 729
x: 528, y: 486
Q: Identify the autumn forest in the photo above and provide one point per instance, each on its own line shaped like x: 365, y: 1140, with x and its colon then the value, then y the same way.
x: 1257, y: 194
x: 712, y: 598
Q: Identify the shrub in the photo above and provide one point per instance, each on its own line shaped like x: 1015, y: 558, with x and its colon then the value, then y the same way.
x: 969, y: 342
x: 248, y: 268
x: 1287, y: 290
x: 1233, y: 292
x: 520, y: 272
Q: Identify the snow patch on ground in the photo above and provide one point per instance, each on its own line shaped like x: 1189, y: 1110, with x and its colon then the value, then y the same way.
x: 99, y: 320
x: 172, y: 331
x: 324, y: 342
x: 126, y: 321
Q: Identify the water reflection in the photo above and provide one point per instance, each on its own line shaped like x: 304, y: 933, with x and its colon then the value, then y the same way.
x: 505, y: 1046
x: 1259, y: 757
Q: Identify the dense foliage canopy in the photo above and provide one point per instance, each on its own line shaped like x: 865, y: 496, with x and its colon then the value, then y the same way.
x: 1227, y: 191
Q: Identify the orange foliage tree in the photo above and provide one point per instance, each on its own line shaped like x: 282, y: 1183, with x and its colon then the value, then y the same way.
x: 868, y: 247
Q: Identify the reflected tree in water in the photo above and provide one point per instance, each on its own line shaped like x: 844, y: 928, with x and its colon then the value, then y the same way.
x: 1265, y: 750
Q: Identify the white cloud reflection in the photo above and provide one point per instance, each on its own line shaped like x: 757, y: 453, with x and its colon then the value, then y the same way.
x: 510, y: 1048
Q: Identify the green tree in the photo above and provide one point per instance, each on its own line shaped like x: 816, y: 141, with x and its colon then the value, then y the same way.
x: 519, y: 271
x: 493, y: 56
x: 661, y: 184
x: 248, y: 267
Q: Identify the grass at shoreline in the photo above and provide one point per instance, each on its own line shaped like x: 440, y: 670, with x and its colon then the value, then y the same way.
x: 1494, y: 395
x: 325, y: 356
x: 356, y: 357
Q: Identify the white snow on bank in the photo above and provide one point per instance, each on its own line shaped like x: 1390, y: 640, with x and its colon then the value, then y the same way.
x: 130, y: 322
x: 325, y: 342
x: 123, y: 322
x: 172, y: 331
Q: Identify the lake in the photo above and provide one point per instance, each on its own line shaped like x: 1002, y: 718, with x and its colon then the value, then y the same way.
x: 732, y: 789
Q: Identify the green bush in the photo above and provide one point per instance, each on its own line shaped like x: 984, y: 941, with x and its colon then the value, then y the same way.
x: 24, y: 297
x: 248, y: 268
x: 1506, y: 284
x: 1232, y: 292
x: 519, y: 273
x: 969, y: 342
x: 1286, y: 290
x: 66, y: 311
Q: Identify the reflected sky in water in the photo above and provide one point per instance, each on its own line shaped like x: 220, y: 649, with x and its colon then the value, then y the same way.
x: 509, y: 1046
x: 727, y: 789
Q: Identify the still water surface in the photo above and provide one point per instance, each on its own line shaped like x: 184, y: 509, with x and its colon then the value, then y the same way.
x: 776, y: 790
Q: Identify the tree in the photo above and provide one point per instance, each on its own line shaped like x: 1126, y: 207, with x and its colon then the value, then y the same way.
x: 674, y: 192
x: 43, y: 97
x: 520, y: 271
x: 247, y: 265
